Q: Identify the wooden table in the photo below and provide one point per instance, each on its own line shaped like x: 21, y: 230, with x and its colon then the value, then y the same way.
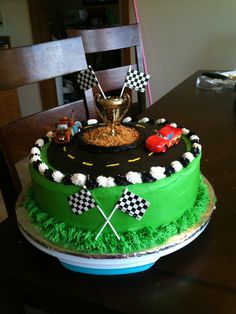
x: 200, y: 278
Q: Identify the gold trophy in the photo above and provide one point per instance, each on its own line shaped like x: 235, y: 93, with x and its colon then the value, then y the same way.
x: 112, y: 109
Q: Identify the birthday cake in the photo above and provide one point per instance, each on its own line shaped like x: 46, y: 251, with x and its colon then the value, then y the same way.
x: 96, y: 192
x: 118, y: 185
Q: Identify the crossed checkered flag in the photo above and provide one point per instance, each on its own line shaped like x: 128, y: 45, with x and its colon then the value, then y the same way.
x: 132, y: 204
x: 87, y: 79
x: 136, y: 80
x: 81, y: 201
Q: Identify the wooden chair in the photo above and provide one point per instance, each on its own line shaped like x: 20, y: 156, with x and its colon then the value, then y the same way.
x: 112, y: 39
x: 22, y: 66
x: 29, y: 278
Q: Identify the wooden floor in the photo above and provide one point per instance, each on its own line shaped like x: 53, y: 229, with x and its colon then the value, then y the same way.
x: 22, y: 168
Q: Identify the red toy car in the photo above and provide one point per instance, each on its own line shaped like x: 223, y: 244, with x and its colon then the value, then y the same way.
x: 163, y: 139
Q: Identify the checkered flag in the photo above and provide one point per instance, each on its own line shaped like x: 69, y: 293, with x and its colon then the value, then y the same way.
x: 132, y: 204
x: 136, y: 80
x: 87, y: 79
x: 81, y: 202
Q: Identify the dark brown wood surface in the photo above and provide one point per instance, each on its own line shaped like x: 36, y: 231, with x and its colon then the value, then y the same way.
x: 9, y: 106
x: 199, y: 278
x: 26, y: 65
x: 35, y: 63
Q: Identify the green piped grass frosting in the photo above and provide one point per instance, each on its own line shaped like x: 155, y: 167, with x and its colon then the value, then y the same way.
x: 83, y: 241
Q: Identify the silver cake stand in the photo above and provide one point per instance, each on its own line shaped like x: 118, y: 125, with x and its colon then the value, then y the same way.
x: 111, y: 264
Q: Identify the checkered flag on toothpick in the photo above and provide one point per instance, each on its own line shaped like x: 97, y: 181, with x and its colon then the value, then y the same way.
x: 129, y: 203
x: 87, y: 79
x: 81, y: 201
x: 132, y: 204
x: 136, y: 80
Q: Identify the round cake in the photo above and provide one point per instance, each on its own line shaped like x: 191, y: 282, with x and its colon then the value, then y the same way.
x: 98, y: 194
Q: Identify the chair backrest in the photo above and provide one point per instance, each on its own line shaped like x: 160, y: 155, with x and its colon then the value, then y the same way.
x: 24, y: 65
x: 110, y: 39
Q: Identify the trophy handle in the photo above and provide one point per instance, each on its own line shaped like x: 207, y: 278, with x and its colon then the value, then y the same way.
x: 97, y: 99
x: 126, y: 98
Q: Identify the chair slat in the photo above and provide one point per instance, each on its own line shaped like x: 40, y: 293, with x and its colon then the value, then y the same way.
x: 106, y: 39
x: 40, y: 62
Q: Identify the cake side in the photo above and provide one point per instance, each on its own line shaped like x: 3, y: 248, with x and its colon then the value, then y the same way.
x: 169, y: 198
x: 85, y: 241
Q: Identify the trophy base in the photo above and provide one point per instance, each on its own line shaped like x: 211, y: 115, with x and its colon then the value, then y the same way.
x: 101, y: 138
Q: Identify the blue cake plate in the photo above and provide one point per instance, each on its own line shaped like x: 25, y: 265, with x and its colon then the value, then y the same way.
x: 111, y: 264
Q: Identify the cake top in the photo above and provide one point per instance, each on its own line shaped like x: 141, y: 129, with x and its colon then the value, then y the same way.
x: 80, y: 163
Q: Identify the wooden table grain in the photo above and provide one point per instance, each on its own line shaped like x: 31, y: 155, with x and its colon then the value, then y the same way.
x: 199, y: 278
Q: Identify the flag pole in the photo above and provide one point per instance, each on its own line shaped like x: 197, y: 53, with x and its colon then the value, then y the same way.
x: 123, y: 88
x: 107, y: 221
x: 103, y: 214
x: 104, y: 96
x: 113, y: 229
x: 99, y: 86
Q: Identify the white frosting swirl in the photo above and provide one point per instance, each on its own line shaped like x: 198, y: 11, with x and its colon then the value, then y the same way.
x: 106, y: 181
x: 127, y: 119
x: 157, y: 172
x: 188, y: 156
x: 197, y: 145
x: 78, y: 179
x: 174, y: 125
x: 57, y: 176
x: 177, y: 165
x: 42, y: 167
x: 134, y: 177
x: 194, y: 137
x: 35, y: 158
x: 160, y: 121
x: 35, y: 151
x: 143, y: 120
x: 49, y: 135
x: 40, y: 142
x: 185, y: 131
x: 92, y: 121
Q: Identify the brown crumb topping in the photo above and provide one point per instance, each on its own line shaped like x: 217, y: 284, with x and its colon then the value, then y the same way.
x: 101, y: 136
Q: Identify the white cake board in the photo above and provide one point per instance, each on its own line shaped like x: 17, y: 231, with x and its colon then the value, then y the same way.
x: 111, y: 264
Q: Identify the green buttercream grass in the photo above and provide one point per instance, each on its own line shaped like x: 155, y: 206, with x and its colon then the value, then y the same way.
x: 83, y: 241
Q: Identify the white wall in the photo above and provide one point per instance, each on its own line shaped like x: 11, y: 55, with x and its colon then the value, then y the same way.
x: 183, y: 36
x: 17, y: 26
x: 17, y: 22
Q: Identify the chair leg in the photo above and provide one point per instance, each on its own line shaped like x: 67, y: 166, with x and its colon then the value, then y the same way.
x: 9, y: 189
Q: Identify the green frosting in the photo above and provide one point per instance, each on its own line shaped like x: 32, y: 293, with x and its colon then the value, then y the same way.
x: 83, y: 239
x: 169, y: 199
